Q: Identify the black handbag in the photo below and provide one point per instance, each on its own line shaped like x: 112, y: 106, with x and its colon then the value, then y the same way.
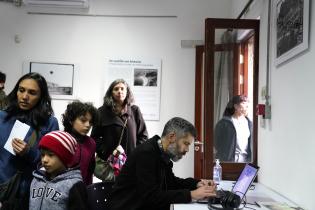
x: 10, y: 188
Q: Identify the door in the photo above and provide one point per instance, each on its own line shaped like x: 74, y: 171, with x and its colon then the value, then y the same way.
x: 199, y: 111
x: 229, y: 67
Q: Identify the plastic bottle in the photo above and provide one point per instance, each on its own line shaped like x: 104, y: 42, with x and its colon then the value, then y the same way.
x: 217, y: 172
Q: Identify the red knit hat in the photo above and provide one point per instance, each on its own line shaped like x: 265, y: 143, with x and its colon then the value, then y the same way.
x: 61, y: 143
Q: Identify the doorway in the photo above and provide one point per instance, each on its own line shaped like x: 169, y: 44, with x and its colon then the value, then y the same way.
x: 226, y: 66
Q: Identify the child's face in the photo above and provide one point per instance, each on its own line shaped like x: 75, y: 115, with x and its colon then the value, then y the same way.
x: 83, y: 124
x: 51, y: 162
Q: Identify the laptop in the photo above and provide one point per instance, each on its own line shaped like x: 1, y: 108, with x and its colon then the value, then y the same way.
x: 245, y: 180
x: 240, y: 187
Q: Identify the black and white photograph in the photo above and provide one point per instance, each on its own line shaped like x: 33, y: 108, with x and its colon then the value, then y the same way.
x: 59, y: 77
x: 145, y: 77
x: 290, y: 28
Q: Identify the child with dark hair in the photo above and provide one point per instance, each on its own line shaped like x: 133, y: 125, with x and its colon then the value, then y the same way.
x: 57, y: 186
x: 77, y: 120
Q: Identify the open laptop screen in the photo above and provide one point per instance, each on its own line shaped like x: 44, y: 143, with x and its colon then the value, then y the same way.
x: 245, y: 180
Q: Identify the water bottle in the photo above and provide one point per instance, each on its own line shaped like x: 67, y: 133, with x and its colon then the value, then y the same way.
x: 217, y: 172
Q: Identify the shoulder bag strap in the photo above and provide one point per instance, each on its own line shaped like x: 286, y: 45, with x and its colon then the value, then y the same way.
x: 122, y: 132
x: 33, y: 138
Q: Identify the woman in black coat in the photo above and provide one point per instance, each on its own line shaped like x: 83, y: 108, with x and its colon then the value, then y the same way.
x: 117, y: 108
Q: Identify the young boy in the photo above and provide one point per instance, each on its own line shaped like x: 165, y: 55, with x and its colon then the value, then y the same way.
x: 57, y: 186
x: 77, y: 120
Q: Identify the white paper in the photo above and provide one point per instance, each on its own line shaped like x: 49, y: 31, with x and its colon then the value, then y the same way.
x: 19, y: 131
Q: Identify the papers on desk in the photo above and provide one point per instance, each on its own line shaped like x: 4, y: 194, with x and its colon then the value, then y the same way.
x: 278, y: 206
x: 19, y: 131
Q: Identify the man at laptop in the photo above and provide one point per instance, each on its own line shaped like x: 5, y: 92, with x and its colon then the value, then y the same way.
x: 147, y: 180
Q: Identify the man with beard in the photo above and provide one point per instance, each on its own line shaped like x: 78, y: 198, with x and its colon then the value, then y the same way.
x: 147, y: 180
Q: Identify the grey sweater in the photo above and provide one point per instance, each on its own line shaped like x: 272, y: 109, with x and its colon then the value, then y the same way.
x: 64, y: 192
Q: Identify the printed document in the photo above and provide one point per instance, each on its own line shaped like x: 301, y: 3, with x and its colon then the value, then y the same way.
x: 19, y: 131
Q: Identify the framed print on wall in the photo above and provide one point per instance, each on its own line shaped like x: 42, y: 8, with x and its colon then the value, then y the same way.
x: 290, y: 29
x: 59, y: 77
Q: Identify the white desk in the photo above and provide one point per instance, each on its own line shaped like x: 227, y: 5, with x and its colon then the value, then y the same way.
x: 259, y: 194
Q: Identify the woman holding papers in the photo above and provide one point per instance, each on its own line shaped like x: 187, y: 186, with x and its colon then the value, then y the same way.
x: 29, y: 109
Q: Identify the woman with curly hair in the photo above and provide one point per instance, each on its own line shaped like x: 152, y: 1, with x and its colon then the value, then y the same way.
x: 77, y: 120
x: 118, y: 109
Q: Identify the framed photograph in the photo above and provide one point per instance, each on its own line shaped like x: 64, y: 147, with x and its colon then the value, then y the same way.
x: 59, y: 77
x: 290, y: 28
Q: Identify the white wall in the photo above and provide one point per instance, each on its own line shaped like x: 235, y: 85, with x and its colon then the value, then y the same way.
x: 88, y: 41
x: 237, y: 7
x: 286, y: 142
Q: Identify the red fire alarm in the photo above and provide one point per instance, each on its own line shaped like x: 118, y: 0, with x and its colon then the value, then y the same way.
x: 260, y: 109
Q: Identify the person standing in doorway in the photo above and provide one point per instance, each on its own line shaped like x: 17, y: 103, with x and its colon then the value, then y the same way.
x: 233, y: 133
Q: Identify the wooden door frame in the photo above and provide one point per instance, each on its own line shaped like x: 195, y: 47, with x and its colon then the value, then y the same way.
x: 198, y: 155
x: 243, y: 45
x: 230, y: 169
x: 199, y: 172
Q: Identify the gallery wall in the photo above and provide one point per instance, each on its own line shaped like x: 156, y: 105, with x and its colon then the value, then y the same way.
x: 89, y: 40
x: 286, y: 141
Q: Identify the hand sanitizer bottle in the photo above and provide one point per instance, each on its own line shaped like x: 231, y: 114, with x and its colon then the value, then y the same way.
x: 217, y: 172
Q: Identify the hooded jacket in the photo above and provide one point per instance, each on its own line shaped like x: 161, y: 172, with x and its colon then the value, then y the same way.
x: 66, y: 191
x: 225, y: 139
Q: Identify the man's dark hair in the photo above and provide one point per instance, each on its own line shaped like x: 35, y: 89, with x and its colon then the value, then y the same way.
x: 179, y: 126
x: 108, y: 98
x: 2, y: 77
x: 75, y: 110
x: 41, y: 112
x: 229, y: 110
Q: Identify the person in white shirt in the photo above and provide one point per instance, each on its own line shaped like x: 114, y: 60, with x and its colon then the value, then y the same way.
x: 233, y: 133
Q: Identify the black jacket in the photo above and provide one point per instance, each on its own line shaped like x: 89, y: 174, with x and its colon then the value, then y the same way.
x: 107, y: 132
x: 225, y: 140
x: 147, y: 181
